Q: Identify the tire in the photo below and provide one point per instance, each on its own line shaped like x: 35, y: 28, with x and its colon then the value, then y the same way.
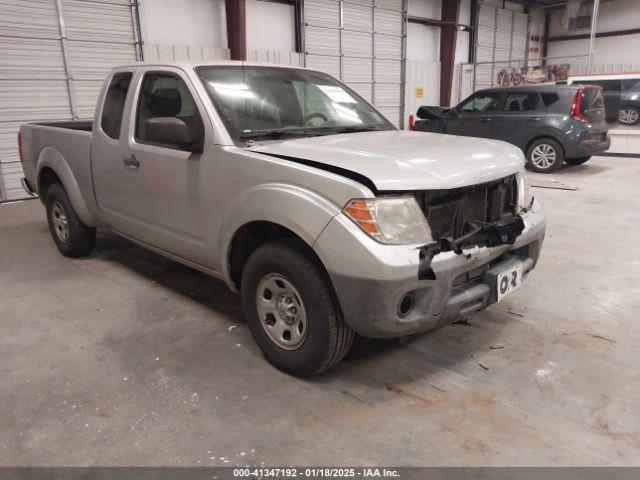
x: 324, y: 337
x: 544, y: 155
x: 577, y: 161
x: 72, y: 237
x: 629, y: 115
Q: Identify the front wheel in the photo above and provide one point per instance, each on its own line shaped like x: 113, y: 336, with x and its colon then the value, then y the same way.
x: 72, y: 237
x: 544, y: 155
x: 577, y: 161
x: 291, y: 310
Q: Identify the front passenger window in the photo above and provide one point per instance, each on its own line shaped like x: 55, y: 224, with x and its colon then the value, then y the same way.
x: 482, y: 102
x: 167, y: 114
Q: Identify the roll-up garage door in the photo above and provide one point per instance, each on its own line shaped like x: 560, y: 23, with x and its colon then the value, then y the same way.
x: 501, y: 43
x: 54, y: 55
x: 360, y: 42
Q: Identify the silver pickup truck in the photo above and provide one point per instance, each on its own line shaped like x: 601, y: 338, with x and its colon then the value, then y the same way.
x: 296, y: 192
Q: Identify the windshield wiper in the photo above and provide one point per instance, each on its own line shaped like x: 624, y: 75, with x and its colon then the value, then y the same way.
x: 275, y: 133
x: 353, y: 129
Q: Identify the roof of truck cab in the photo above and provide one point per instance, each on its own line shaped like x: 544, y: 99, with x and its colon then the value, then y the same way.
x: 211, y: 63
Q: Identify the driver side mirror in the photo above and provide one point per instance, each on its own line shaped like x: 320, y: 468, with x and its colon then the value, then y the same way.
x: 171, y: 131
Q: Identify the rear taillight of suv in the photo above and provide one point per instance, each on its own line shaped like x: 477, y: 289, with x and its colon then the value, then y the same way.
x: 576, y: 111
x: 588, y: 104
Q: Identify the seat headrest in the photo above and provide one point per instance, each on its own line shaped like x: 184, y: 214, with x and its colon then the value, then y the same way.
x: 165, y: 102
x: 530, y: 103
x: 514, y: 106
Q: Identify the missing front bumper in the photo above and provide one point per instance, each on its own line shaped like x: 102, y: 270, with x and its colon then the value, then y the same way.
x: 503, y: 231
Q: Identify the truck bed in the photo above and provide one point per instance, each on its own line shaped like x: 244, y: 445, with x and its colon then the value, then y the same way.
x: 84, y: 125
x: 66, y: 147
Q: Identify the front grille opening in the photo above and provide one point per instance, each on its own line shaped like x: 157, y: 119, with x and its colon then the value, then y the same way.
x: 456, y: 212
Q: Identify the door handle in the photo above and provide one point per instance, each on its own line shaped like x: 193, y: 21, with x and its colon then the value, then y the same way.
x: 534, y: 120
x: 486, y: 120
x: 131, y: 162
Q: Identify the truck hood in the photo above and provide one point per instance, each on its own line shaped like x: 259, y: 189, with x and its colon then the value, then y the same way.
x: 403, y: 160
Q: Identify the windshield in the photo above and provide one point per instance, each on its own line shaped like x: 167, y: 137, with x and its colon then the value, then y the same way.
x: 274, y: 102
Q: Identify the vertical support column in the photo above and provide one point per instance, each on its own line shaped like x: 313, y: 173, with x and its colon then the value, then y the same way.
x: 298, y: 13
x: 448, y: 37
x: 403, y: 64
x: 592, y: 36
x: 237, y: 28
x: 137, y: 30
x: 545, y: 38
x: 67, y: 65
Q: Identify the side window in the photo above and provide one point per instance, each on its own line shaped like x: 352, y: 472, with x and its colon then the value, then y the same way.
x: 482, y: 102
x: 522, y: 102
x: 114, y: 104
x: 631, y: 85
x: 167, y: 114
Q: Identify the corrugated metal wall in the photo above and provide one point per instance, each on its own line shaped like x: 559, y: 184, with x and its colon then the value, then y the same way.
x: 501, y: 42
x: 360, y: 42
x: 54, y: 56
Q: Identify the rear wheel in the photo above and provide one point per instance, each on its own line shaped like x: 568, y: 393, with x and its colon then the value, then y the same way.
x: 291, y: 310
x: 72, y: 237
x: 629, y: 115
x: 577, y: 161
x: 544, y: 155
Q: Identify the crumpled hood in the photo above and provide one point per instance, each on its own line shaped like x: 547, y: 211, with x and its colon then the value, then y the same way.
x: 403, y: 160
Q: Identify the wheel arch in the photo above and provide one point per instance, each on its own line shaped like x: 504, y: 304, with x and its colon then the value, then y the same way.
x: 266, y: 213
x: 52, y: 168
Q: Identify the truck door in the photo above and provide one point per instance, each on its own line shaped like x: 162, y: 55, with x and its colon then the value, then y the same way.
x: 150, y: 184
x: 519, y: 119
x: 473, y: 117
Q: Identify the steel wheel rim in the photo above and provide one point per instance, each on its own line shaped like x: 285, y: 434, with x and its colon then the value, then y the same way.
x: 281, y: 311
x: 628, y: 116
x: 60, y: 221
x: 543, y: 156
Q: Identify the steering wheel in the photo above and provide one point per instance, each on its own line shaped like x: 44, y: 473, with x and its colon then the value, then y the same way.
x: 313, y: 115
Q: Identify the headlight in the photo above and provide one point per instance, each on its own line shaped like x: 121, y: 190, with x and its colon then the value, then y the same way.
x: 524, y: 194
x: 394, y: 220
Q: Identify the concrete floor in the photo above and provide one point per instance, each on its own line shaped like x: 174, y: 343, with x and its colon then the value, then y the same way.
x: 125, y: 358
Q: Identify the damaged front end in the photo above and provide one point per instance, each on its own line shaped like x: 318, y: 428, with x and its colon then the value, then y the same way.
x: 484, y: 215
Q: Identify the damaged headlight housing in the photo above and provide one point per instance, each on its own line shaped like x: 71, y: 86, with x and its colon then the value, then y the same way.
x: 390, y: 220
x: 525, y: 198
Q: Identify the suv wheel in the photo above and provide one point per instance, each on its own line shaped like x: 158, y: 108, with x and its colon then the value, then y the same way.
x: 629, y: 115
x: 292, y: 311
x: 72, y: 237
x: 544, y: 155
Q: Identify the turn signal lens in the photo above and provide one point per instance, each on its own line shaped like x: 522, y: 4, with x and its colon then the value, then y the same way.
x: 390, y: 220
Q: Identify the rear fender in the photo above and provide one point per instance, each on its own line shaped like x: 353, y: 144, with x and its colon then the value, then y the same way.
x: 51, y: 158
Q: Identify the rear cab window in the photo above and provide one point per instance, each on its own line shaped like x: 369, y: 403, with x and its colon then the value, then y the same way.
x: 113, y: 106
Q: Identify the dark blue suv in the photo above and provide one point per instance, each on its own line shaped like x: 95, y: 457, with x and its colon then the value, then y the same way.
x: 550, y: 123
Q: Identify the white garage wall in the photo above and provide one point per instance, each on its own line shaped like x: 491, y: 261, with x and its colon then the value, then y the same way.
x: 615, y: 15
x: 270, y: 26
x: 184, y: 29
x: 184, y: 22
x: 54, y: 56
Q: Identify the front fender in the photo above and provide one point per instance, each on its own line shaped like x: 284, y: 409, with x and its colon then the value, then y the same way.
x: 50, y: 157
x: 302, y: 211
